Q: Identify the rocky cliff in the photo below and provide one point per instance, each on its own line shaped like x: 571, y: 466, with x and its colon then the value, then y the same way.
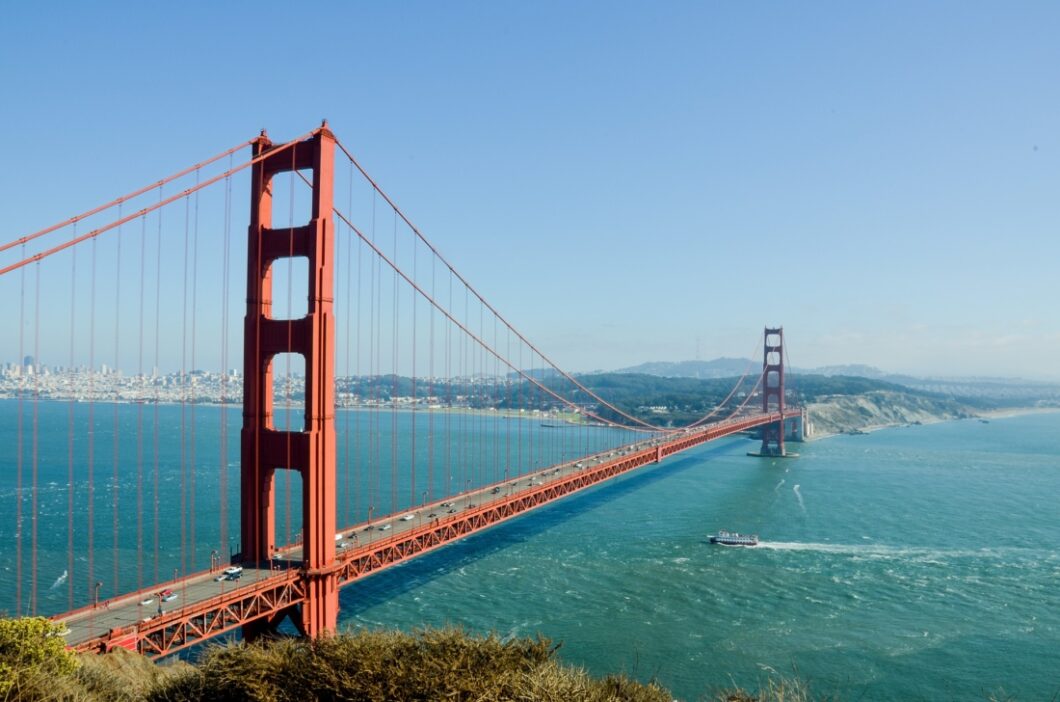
x: 836, y: 414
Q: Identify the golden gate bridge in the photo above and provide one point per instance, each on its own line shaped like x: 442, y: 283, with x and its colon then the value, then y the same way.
x: 387, y: 408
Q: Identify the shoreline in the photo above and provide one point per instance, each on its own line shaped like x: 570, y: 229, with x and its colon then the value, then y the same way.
x: 556, y: 419
x: 1005, y: 413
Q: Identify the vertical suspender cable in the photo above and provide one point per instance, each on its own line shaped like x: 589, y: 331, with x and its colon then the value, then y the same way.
x: 430, y: 393
x: 141, y: 396
x: 184, y: 399
x: 480, y: 358
x: 379, y: 372
x: 350, y: 243
x: 115, y: 388
x: 531, y: 466
x: 373, y: 372
x: 466, y: 434
x: 357, y: 371
x: 225, y: 288
x: 158, y: 389
x: 70, y: 436
x: 494, y: 402
x: 520, y: 402
x: 91, y: 420
x: 394, y: 390
x: 483, y: 394
x: 509, y: 410
x: 23, y: 370
x: 192, y: 376
x: 449, y: 396
x: 412, y: 461
x: 36, y: 437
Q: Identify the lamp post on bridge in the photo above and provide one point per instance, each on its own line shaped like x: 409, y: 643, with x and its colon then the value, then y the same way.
x: 95, y: 596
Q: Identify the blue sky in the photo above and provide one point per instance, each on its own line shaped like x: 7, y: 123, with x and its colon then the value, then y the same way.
x: 624, y: 181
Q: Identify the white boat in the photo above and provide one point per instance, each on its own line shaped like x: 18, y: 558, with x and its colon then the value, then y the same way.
x: 732, y: 538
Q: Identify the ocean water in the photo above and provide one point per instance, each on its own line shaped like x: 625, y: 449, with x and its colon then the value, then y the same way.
x: 913, y: 563
x: 129, y: 495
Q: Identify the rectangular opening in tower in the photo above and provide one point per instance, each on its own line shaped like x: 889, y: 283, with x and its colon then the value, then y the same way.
x: 290, y: 287
x: 288, y: 392
x: 287, y: 488
x: 292, y: 199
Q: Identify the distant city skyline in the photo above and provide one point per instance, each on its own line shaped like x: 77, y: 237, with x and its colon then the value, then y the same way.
x: 625, y: 184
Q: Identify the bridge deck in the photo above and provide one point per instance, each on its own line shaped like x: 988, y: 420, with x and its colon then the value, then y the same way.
x: 206, y: 607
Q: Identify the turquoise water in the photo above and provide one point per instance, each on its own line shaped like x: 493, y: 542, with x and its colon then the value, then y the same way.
x: 915, y: 563
x: 180, y: 459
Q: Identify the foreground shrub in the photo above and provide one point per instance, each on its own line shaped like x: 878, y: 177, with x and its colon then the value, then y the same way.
x: 393, y: 667
x: 34, y: 661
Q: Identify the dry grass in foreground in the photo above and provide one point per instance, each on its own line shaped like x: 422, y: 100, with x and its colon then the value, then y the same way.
x: 445, y: 664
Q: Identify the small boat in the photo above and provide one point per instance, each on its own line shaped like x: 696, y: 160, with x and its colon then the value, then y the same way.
x: 731, y: 538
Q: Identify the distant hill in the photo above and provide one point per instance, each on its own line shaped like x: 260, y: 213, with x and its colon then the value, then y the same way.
x: 675, y: 401
x: 851, y: 369
x: 717, y: 368
x: 1004, y: 391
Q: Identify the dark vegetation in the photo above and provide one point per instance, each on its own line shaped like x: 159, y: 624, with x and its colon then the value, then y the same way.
x: 659, y: 400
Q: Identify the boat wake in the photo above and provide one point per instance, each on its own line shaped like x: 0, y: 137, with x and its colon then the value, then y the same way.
x: 921, y: 553
x: 58, y: 581
x: 798, y: 495
x: 777, y: 488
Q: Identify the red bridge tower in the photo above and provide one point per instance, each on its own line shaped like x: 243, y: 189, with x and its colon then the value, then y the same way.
x: 773, y: 391
x: 265, y: 448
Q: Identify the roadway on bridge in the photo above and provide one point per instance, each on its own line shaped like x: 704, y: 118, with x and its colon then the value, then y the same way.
x: 128, y: 610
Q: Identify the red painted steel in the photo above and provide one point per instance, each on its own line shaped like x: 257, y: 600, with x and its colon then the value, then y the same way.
x: 265, y: 449
x: 308, y: 594
x: 267, y: 600
x: 262, y: 605
x: 773, y: 391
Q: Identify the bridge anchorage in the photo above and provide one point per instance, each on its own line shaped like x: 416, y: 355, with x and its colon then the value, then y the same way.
x: 525, y: 434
